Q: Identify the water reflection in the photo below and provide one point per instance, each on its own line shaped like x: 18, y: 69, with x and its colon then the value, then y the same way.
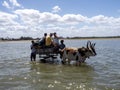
x: 59, y: 76
x: 99, y: 73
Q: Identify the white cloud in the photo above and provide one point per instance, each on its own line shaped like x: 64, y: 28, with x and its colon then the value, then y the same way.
x: 31, y: 22
x: 7, y: 19
x: 56, y: 9
x: 11, y: 4
x: 74, y: 19
x: 7, y: 24
x: 5, y: 4
x: 98, y: 19
x: 28, y: 16
x: 15, y: 3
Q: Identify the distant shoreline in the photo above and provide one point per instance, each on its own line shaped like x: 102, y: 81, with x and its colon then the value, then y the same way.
x: 13, y: 40
x: 84, y: 38
x: 81, y: 38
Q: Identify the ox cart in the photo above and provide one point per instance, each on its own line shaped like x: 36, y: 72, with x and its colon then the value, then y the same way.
x: 47, y: 54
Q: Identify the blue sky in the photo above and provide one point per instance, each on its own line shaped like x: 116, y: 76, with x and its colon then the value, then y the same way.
x: 66, y: 17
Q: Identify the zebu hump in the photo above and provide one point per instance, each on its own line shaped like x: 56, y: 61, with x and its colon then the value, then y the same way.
x: 71, y: 50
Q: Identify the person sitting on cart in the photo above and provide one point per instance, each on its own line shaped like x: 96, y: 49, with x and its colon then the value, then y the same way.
x: 56, y: 42
x: 49, y: 41
x: 43, y: 41
x: 55, y: 39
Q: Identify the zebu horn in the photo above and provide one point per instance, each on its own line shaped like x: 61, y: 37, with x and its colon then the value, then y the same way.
x: 87, y: 45
x: 93, y: 44
x: 92, y: 47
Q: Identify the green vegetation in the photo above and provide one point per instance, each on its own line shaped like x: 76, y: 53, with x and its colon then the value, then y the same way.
x: 30, y: 38
x: 17, y: 39
x: 92, y: 37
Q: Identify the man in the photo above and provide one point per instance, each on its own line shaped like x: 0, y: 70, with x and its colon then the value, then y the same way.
x: 55, y: 39
x: 33, y: 51
x: 61, y: 48
x: 43, y: 40
x: 56, y: 42
x: 62, y: 45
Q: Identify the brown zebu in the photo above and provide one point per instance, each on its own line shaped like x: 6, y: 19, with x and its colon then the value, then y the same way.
x: 78, y: 54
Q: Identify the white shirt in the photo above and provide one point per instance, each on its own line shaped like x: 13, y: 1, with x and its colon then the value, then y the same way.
x: 56, y: 41
x: 33, y: 50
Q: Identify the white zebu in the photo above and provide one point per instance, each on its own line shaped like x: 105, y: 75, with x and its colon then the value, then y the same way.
x: 78, y: 54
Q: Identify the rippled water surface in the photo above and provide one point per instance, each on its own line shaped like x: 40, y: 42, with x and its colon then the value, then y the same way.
x: 101, y: 72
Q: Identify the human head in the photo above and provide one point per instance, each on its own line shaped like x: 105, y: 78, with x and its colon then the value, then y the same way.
x: 45, y: 34
x: 62, y: 41
x: 32, y: 41
x: 51, y: 34
x: 54, y: 33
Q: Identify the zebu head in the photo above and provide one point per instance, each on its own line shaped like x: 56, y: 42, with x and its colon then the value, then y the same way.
x: 88, y: 51
x: 91, y: 49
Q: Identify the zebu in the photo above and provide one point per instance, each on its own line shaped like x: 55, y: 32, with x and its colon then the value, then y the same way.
x: 78, y: 54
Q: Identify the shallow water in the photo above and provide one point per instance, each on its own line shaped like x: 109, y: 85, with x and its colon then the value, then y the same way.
x: 101, y: 72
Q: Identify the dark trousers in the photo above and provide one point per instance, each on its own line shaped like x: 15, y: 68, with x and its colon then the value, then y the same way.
x: 33, y: 56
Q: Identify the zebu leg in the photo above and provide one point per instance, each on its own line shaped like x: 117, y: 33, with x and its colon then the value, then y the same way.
x: 63, y: 61
x: 78, y: 60
x: 68, y: 61
x: 64, y: 57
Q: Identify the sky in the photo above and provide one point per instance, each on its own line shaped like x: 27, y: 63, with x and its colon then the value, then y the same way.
x: 68, y: 18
